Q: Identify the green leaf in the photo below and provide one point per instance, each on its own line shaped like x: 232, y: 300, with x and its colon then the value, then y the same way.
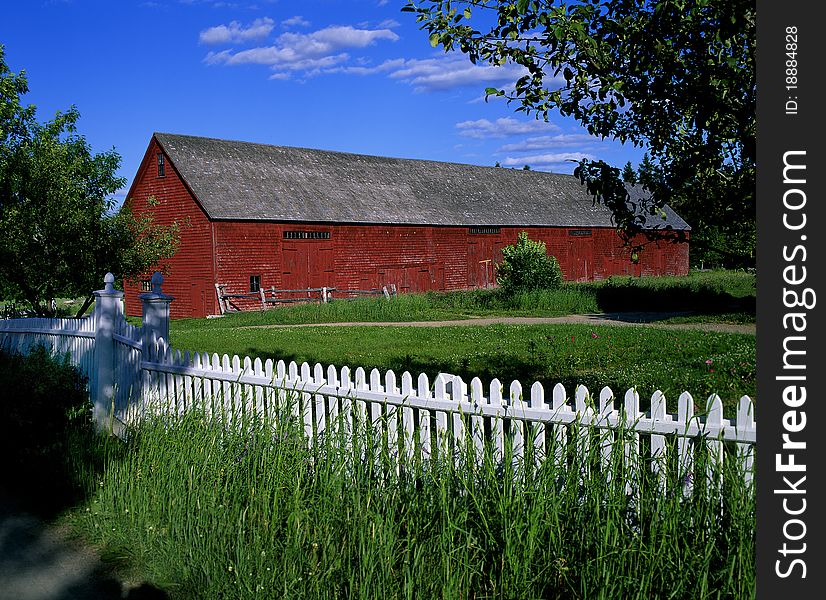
x: 434, y: 39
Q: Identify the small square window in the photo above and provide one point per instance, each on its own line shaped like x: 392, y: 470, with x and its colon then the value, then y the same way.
x: 146, y: 285
x: 255, y: 283
x: 161, y: 165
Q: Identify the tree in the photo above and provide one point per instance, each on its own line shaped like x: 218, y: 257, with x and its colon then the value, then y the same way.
x: 526, y: 266
x: 628, y: 173
x: 674, y: 77
x: 61, y: 229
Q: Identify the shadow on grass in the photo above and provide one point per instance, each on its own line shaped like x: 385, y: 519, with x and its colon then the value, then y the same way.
x: 626, y: 296
x: 52, y: 460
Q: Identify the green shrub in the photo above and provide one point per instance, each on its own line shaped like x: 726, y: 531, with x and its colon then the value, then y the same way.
x: 44, y: 403
x: 526, y: 266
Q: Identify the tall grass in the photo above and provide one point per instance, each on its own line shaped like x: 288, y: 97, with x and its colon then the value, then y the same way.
x: 211, y: 513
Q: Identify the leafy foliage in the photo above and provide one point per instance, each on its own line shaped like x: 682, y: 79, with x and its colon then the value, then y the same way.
x: 44, y: 402
x: 526, y: 266
x: 674, y: 77
x: 61, y: 229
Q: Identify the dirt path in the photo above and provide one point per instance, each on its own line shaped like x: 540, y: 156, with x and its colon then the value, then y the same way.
x: 619, y: 319
x: 41, y: 561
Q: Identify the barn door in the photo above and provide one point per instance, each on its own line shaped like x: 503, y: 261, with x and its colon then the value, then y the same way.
x: 482, y: 256
x: 199, y: 292
x: 581, y: 257
x: 307, y: 264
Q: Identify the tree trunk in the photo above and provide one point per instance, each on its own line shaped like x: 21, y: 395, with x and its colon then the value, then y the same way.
x: 86, y: 304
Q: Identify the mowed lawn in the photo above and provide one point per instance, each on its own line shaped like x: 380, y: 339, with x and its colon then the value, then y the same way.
x: 621, y: 357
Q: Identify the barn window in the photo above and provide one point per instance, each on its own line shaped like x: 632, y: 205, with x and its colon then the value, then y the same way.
x: 483, y: 230
x: 161, y: 165
x: 579, y: 232
x: 146, y: 285
x: 255, y: 283
x: 306, y: 235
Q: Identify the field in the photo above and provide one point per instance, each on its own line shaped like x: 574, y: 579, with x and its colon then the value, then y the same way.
x: 648, y: 358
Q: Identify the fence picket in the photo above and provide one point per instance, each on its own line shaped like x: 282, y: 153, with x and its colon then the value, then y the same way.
x: 361, y: 406
x: 258, y: 405
x: 516, y: 411
x: 425, y: 443
x: 187, y: 382
x: 458, y: 395
x: 497, y: 424
x: 314, y: 382
x: 714, y: 419
x: 391, y: 410
x: 606, y: 434
x: 537, y: 430
x: 685, y: 445
x: 560, y: 431
x: 745, y: 452
x: 376, y: 412
x: 477, y: 422
x: 247, y: 393
x: 408, y: 423
x: 441, y: 438
x: 217, y: 391
x: 582, y: 432
x: 658, y: 448
x: 631, y: 442
x: 333, y: 412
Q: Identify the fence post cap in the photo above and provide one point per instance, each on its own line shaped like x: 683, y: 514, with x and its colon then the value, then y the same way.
x: 157, y: 281
x: 108, y: 290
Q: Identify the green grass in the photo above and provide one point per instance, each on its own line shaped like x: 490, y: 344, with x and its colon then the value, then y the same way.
x: 620, y: 357
x: 205, y: 513
x: 717, y: 295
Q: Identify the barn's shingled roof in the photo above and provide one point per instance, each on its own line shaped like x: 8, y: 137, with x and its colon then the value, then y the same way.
x: 243, y: 180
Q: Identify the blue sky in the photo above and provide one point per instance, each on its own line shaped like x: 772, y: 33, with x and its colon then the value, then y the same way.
x: 354, y: 76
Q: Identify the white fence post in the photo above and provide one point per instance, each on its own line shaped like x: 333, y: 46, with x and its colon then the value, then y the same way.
x: 107, y: 309
x: 155, y: 324
x: 155, y: 312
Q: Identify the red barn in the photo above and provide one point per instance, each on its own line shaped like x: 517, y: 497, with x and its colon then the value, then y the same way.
x: 254, y: 215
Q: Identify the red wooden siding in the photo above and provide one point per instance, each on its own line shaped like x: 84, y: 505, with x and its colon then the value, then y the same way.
x: 191, y: 274
x: 415, y: 259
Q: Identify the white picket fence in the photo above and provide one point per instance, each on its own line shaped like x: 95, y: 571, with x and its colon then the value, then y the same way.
x: 133, y: 371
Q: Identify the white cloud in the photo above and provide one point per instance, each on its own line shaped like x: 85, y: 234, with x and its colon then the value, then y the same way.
x: 345, y: 37
x: 503, y: 127
x: 544, y: 142
x: 545, y: 160
x: 452, y: 71
x: 235, y: 33
x: 296, y: 21
x: 439, y: 74
x: 312, y: 53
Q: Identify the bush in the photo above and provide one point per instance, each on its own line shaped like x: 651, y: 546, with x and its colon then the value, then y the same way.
x: 44, y: 402
x: 526, y: 266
